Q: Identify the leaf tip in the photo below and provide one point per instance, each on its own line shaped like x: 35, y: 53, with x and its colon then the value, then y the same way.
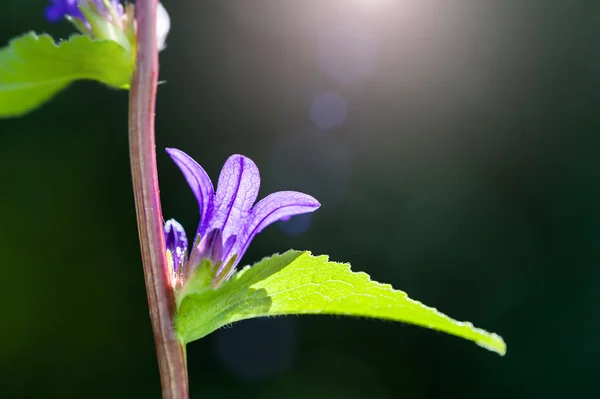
x: 495, y: 343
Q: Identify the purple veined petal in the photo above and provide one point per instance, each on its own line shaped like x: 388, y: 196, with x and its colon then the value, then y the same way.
x: 210, y: 247
x: 200, y: 184
x: 277, y: 206
x: 176, y: 242
x: 229, y: 243
x: 237, y: 190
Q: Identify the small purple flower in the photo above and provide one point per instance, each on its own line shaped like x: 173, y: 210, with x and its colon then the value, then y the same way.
x: 175, y: 238
x: 228, y: 219
x: 107, y: 20
x: 60, y: 9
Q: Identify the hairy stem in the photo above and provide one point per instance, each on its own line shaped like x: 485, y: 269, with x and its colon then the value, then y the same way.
x: 161, y: 300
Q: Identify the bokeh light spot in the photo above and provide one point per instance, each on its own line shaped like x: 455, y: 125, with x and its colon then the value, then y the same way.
x: 297, y: 225
x: 328, y: 110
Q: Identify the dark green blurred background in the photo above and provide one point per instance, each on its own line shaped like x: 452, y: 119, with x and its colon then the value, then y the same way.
x: 453, y: 145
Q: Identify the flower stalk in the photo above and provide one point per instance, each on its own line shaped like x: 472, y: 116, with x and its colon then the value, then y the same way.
x: 161, y: 300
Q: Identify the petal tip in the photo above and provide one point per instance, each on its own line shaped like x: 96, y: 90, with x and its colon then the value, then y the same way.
x: 176, y: 154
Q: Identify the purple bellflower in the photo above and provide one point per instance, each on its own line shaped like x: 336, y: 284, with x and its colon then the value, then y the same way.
x: 228, y: 219
x: 106, y: 20
x: 60, y: 9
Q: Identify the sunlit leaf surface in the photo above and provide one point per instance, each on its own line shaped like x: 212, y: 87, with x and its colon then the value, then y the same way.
x: 34, y: 68
x: 299, y: 283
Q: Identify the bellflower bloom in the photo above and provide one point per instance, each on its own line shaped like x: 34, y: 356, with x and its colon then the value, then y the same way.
x: 59, y: 9
x: 228, y: 219
x: 106, y: 20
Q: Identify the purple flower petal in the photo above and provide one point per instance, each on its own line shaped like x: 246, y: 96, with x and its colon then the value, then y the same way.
x: 62, y: 8
x: 200, y: 184
x: 277, y: 206
x: 229, y: 244
x: 228, y: 220
x: 54, y: 13
x: 236, y: 192
x: 210, y: 247
x: 176, y: 242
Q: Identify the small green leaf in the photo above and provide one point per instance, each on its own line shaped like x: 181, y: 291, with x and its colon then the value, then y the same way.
x: 34, y: 68
x: 299, y: 283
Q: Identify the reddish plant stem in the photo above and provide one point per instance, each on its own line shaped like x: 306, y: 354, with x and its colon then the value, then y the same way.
x: 170, y: 352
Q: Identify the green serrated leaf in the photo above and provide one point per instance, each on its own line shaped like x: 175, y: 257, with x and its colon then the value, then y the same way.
x: 299, y: 283
x: 34, y: 68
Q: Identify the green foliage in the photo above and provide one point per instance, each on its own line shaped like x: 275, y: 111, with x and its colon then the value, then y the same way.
x: 299, y: 283
x: 34, y: 68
